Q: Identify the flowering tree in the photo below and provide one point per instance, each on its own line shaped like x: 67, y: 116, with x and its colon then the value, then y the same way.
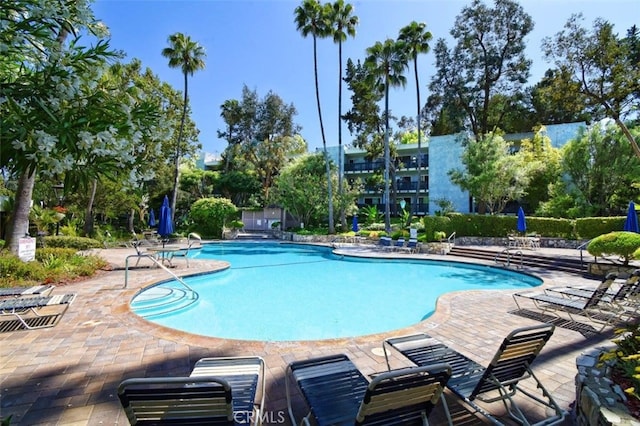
x: 63, y: 115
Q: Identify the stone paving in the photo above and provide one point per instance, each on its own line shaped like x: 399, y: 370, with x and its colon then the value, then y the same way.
x: 68, y: 374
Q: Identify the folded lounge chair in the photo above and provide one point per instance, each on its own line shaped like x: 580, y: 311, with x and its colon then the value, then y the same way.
x: 219, y: 391
x: 42, y: 290
x: 595, y: 308
x: 338, y: 394
x: 33, y: 312
x: 499, y: 381
x: 629, y: 288
x: 412, y: 245
x: 385, y: 243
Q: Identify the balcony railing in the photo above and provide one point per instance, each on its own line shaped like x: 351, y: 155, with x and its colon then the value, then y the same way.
x: 365, y: 166
x: 403, y: 163
x: 400, y: 187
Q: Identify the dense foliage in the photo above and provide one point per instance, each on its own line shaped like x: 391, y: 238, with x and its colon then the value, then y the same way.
x: 209, y: 216
x: 52, y: 266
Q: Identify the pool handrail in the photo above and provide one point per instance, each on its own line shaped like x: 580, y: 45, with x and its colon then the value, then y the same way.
x: 160, y: 265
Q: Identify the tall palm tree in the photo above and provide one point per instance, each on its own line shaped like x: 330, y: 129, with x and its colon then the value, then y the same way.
x: 416, y: 39
x: 343, y: 24
x: 387, y: 61
x: 187, y: 55
x: 312, y: 18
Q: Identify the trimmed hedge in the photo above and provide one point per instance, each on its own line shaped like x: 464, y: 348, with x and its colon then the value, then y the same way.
x: 470, y: 225
x: 78, y: 243
x: 590, y: 227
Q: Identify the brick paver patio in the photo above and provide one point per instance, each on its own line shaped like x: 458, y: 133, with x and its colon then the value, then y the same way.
x: 68, y: 375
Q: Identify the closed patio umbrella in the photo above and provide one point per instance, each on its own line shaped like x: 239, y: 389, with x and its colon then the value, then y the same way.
x: 631, y: 224
x: 152, y: 219
x: 521, y: 226
x: 354, y: 224
x: 165, y: 226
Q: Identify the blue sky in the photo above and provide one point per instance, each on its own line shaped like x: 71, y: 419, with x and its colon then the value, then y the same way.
x: 255, y: 42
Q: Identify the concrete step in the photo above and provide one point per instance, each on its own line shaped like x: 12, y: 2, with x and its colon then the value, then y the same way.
x: 522, y: 257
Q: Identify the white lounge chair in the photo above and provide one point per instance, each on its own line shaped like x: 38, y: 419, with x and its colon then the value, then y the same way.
x: 218, y: 391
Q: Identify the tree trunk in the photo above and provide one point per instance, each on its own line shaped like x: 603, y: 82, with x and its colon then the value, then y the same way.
x: 176, y: 172
x: 132, y: 214
x: 387, y: 159
x: 88, y: 216
x: 324, y: 141
x: 629, y: 136
x: 419, y: 165
x: 19, y: 223
x: 343, y: 218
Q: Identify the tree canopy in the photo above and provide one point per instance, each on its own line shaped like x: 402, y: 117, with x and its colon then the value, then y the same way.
x: 261, y: 134
x: 605, y: 67
x: 488, y: 58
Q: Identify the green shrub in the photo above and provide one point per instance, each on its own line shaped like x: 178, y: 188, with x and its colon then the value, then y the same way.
x: 590, y: 227
x: 209, y: 216
x: 439, y: 235
x: 236, y: 224
x: 61, y: 253
x: 376, y: 226
x: 78, y: 243
x: 623, y: 244
x: 433, y: 224
x: 399, y: 234
x: 52, y: 265
x: 13, y: 271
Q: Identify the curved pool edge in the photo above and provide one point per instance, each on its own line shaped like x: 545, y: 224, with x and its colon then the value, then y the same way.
x: 441, y: 312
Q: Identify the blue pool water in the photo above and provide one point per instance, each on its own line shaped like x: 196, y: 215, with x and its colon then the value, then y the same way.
x: 287, y: 292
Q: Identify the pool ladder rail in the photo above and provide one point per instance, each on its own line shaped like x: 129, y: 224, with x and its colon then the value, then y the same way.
x: 510, y: 254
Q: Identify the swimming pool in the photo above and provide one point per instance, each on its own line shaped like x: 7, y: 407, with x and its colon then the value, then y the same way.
x: 290, y: 292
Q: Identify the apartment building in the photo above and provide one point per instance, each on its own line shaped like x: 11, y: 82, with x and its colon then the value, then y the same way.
x: 417, y: 189
x: 439, y: 155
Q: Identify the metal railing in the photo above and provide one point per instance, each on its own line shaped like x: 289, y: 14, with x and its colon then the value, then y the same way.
x: 581, y: 247
x: 509, y: 255
x: 161, y: 266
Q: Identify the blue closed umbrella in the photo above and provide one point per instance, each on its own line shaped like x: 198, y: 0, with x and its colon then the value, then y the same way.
x: 165, y: 226
x: 522, y: 223
x: 152, y: 219
x: 631, y: 224
x: 354, y: 224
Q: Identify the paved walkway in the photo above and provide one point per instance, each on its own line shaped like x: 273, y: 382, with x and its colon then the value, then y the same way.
x: 68, y: 375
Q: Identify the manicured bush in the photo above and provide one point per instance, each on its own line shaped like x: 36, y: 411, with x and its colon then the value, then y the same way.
x: 623, y: 244
x: 78, y: 243
x: 209, y: 216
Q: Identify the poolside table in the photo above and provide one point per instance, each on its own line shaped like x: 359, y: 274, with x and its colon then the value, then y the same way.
x: 164, y: 254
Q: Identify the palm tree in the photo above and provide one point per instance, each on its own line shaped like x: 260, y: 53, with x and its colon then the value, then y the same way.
x: 343, y: 24
x: 387, y: 61
x: 416, y: 39
x: 187, y: 55
x: 312, y: 18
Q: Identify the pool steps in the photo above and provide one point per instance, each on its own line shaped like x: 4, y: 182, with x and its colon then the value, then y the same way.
x: 159, y: 301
